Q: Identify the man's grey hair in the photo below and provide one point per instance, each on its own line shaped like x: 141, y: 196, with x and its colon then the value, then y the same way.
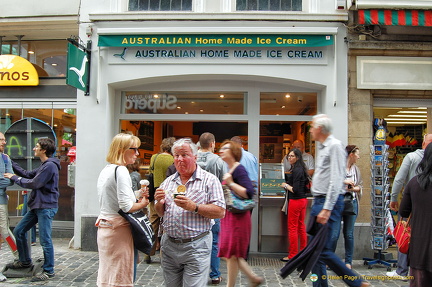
x: 323, y: 121
x: 183, y: 141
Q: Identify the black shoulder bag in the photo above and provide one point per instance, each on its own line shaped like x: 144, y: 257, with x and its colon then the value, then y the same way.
x: 142, y: 231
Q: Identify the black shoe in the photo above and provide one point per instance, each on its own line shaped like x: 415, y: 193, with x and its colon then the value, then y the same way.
x: 18, y: 265
x: 284, y: 259
x: 43, y: 276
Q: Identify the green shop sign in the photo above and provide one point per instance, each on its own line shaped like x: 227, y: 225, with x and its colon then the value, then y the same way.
x: 241, y: 40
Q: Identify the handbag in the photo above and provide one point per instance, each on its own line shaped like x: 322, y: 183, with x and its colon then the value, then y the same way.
x: 402, y: 234
x: 150, y: 178
x: 141, y: 228
x: 348, y: 204
x: 142, y: 231
x: 236, y: 204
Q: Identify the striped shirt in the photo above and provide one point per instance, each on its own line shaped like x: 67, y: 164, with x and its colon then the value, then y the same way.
x: 202, y: 188
x: 329, y: 171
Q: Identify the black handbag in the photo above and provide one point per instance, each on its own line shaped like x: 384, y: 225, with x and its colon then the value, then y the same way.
x: 348, y: 204
x: 141, y: 228
x: 142, y: 231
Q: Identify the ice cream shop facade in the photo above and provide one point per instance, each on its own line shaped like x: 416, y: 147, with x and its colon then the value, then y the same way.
x: 260, y: 80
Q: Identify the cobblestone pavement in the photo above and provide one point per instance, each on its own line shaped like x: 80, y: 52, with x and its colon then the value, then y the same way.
x: 79, y: 268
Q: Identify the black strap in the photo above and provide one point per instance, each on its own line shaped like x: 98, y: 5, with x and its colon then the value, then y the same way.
x: 115, y: 173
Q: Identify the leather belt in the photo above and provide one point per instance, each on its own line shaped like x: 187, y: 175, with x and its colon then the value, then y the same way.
x: 320, y: 196
x: 187, y: 240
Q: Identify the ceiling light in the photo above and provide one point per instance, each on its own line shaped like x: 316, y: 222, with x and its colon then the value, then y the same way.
x: 156, y: 96
x: 287, y: 96
x: 402, y: 119
x: 406, y: 123
x: 282, y: 107
x: 409, y: 116
x: 412, y: 112
x: 178, y: 107
x: 31, y: 52
x: 222, y: 96
x: 54, y: 64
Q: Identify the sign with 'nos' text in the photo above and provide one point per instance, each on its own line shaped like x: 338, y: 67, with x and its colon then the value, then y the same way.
x: 17, y: 71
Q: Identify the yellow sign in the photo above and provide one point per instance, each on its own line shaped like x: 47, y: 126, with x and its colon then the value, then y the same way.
x: 17, y: 71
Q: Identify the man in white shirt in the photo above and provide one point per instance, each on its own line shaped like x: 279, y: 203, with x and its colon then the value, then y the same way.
x: 307, y: 158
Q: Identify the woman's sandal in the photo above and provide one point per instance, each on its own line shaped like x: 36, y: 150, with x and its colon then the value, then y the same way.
x: 257, y: 282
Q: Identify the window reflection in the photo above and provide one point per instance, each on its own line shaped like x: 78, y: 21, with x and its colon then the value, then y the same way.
x: 144, y: 102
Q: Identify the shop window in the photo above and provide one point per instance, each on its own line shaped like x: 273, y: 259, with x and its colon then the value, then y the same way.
x: 160, y: 5
x: 269, y: 5
x: 48, y: 57
x: 63, y: 122
x: 183, y: 103
x: 287, y: 103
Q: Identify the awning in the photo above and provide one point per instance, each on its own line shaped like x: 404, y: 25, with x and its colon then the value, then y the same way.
x: 395, y: 17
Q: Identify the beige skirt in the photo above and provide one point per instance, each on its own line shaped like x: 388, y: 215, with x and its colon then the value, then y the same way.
x: 116, y: 252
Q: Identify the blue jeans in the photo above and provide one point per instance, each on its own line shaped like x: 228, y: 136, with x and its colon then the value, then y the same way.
x: 43, y: 216
x: 327, y: 256
x: 348, y: 232
x: 23, y: 212
x: 215, y: 260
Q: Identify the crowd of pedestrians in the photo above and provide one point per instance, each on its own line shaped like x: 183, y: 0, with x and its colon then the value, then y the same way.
x: 189, y: 216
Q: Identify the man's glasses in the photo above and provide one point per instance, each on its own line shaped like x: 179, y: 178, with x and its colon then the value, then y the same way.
x: 135, y: 149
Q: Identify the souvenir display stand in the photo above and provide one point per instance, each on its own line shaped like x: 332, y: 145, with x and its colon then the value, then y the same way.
x: 380, y: 199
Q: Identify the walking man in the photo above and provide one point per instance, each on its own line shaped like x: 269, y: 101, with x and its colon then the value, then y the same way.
x: 211, y: 162
x: 406, y: 171
x: 42, y: 204
x: 328, y: 199
x: 188, y: 200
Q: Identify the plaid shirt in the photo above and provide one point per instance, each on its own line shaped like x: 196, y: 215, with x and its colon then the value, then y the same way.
x: 202, y: 188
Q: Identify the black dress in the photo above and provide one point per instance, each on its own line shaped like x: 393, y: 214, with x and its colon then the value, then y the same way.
x: 418, y: 202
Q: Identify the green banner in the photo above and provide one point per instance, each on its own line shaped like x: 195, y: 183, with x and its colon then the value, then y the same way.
x: 241, y: 40
x: 77, y: 74
x: 272, y: 186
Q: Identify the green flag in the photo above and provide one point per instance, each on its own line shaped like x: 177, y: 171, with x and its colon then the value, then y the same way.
x: 77, y: 68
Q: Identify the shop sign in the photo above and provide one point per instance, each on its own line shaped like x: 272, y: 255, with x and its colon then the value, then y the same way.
x: 140, y: 102
x: 17, y: 71
x: 227, y: 40
x: 77, y: 74
x: 231, y: 55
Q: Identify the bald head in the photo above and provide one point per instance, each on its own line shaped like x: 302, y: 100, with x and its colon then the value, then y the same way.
x: 2, y: 142
x: 426, y: 140
x: 298, y: 144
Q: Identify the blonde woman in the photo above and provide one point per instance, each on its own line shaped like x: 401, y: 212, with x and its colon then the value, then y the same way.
x: 114, y: 237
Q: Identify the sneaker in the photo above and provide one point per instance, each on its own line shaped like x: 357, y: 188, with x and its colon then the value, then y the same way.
x: 43, y: 276
x: 18, y: 265
x: 216, y: 281
x: 33, y: 244
x: 394, y: 275
x: 2, y: 277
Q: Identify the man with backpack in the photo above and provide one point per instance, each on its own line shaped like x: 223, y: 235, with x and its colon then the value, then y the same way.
x: 211, y: 162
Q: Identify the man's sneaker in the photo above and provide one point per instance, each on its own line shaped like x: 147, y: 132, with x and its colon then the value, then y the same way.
x: 18, y: 265
x: 2, y: 277
x: 394, y: 275
x: 43, y: 276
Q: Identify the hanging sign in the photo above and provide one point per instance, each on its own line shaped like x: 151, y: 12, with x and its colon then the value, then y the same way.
x: 17, y: 71
x: 77, y: 74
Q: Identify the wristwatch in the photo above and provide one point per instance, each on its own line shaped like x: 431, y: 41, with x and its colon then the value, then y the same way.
x: 196, y: 208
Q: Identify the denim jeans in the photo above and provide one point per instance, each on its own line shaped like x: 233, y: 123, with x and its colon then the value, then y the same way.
x: 327, y: 256
x: 23, y: 212
x: 215, y: 260
x: 348, y: 233
x: 43, y: 216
